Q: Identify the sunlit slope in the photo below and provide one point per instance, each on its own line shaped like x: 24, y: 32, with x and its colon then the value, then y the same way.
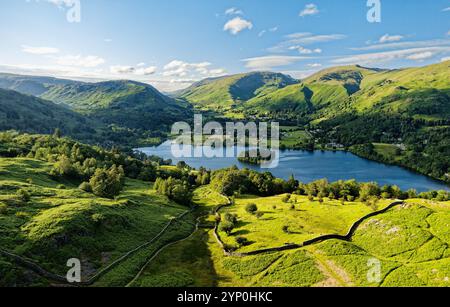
x: 220, y: 94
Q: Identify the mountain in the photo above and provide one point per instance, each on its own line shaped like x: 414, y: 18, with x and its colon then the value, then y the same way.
x: 30, y: 85
x: 128, y: 104
x: 224, y: 93
x: 415, y: 92
x: 34, y: 115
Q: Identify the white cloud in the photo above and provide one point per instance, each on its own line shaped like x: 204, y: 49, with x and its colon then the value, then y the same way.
x: 130, y: 70
x: 108, y: 40
x: 445, y: 59
x: 447, y: 9
x: 236, y: 25
x: 404, y: 45
x: 80, y: 61
x: 390, y: 38
x: 314, y: 65
x: 310, y: 9
x: 182, y: 69
x: 40, y: 50
x: 420, y: 56
x: 271, y: 61
x: 234, y: 11
x: 272, y: 30
x: 304, y: 38
x: 303, y: 50
x: 448, y: 33
x: 416, y: 54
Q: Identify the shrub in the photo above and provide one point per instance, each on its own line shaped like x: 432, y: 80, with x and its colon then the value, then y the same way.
x: 29, y: 180
x: 21, y: 215
x: 3, y: 208
x: 61, y: 187
x: 226, y: 227
x: 310, y: 197
x: 259, y: 215
x: 286, y: 198
x: 107, y: 183
x: 23, y: 195
x: 241, y: 241
x: 292, y: 207
x: 86, y: 187
x: 251, y: 208
x: 286, y: 229
x: 231, y: 218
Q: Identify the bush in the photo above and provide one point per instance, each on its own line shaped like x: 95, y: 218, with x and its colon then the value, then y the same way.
x: 292, y: 207
x: 242, y: 241
x: 251, y: 208
x: 86, y: 187
x: 23, y: 195
x: 226, y: 227
x: 231, y: 218
x: 259, y: 215
x: 3, y: 208
x: 61, y: 187
x: 107, y: 183
x: 286, y: 198
x: 286, y: 229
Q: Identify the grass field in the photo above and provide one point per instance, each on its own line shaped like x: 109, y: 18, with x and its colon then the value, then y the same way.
x: 62, y: 222
x: 409, y: 242
x: 292, y: 137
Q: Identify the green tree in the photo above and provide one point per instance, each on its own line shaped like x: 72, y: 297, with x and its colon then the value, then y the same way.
x: 251, y: 208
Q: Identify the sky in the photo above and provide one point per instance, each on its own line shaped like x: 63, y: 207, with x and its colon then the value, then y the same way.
x: 172, y: 43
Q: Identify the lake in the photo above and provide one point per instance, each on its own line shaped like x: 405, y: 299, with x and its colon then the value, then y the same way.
x: 309, y: 166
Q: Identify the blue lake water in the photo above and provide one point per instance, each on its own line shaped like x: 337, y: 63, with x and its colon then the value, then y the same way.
x: 310, y: 166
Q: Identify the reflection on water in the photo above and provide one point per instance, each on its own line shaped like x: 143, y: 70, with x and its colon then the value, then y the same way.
x: 310, y: 166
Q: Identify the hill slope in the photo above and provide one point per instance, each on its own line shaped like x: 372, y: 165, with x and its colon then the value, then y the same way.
x: 30, y: 114
x: 126, y: 104
x: 30, y: 85
x: 221, y: 94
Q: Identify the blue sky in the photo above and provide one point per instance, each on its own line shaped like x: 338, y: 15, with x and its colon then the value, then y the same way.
x: 172, y: 43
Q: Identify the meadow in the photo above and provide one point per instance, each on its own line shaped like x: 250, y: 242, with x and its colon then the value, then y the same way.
x: 60, y: 221
x: 409, y: 241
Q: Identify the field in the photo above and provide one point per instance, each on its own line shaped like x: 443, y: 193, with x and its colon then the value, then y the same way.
x: 61, y: 222
x: 292, y: 137
x: 408, y: 242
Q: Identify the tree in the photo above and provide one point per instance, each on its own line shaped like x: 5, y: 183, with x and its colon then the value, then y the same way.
x: 86, y: 187
x: 242, y: 241
x: 286, y: 198
x: 251, y: 208
x: 23, y: 195
x: 226, y: 227
x: 107, y: 183
x: 232, y: 218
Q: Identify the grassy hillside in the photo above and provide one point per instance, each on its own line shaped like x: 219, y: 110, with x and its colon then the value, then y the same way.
x: 222, y: 94
x: 126, y: 104
x: 30, y: 114
x: 408, y: 241
x: 55, y: 205
x: 57, y: 223
x: 30, y: 85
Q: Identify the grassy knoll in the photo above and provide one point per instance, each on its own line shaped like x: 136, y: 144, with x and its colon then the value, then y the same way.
x: 60, y: 221
x: 410, y: 242
x: 304, y: 220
